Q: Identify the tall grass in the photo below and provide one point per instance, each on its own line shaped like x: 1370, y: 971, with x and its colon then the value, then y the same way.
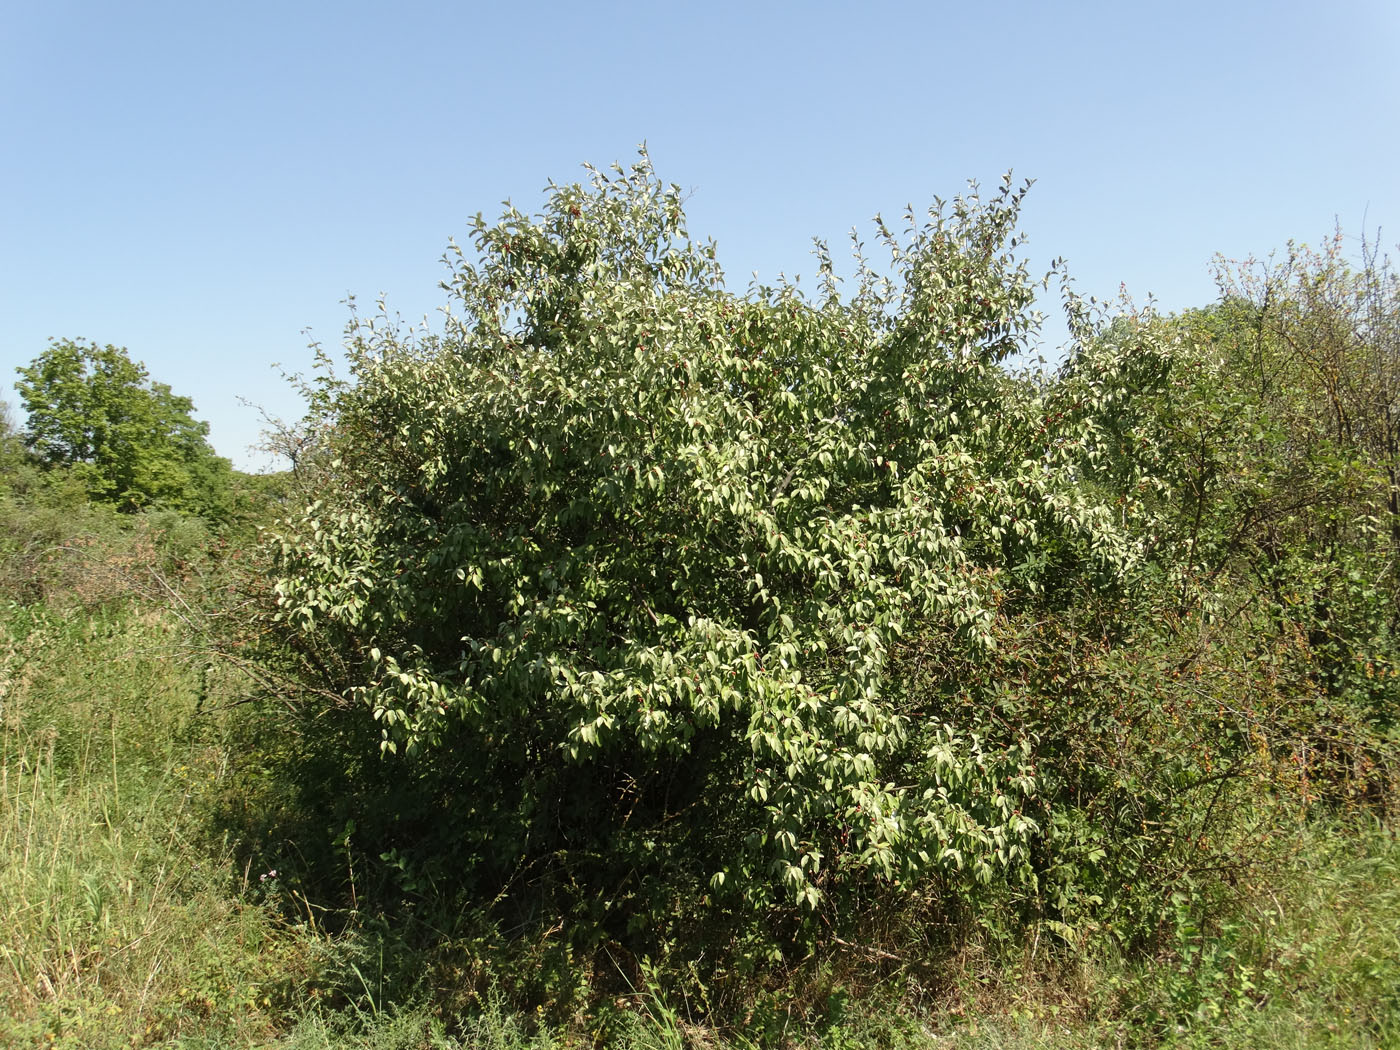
x: 124, y: 924
x: 128, y: 922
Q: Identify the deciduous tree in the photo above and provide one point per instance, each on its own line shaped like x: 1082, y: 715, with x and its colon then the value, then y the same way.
x: 95, y: 411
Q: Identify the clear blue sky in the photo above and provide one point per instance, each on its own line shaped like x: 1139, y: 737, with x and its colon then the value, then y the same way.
x: 202, y: 182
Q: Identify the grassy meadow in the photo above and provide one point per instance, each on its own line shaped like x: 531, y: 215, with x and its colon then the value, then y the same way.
x: 148, y: 900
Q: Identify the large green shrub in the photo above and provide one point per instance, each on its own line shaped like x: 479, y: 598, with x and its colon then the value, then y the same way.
x: 1265, y: 439
x: 637, y: 575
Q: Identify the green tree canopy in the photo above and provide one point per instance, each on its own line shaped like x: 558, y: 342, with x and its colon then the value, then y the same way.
x: 95, y: 411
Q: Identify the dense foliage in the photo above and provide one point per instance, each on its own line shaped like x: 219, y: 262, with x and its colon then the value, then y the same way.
x: 132, y: 441
x: 680, y: 609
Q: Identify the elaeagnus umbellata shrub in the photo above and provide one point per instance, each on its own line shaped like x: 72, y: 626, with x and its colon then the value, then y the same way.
x: 653, y: 588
